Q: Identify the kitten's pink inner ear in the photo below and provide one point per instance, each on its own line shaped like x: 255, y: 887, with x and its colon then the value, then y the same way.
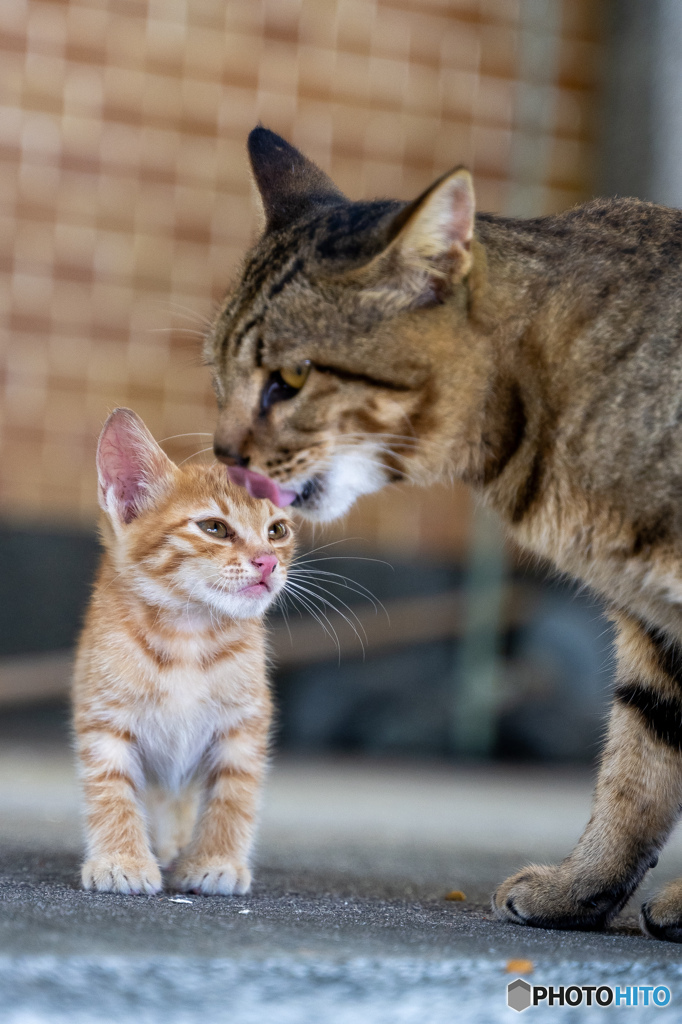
x: 129, y: 464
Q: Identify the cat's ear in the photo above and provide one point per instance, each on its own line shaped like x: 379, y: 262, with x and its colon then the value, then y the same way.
x: 289, y: 185
x: 131, y: 467
x: 429, y: 242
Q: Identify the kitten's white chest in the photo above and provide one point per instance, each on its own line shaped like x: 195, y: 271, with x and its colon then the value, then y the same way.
x: 175, y: 732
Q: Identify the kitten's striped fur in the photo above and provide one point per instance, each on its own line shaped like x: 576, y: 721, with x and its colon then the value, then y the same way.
x: 539, y: 360
x: 171, y: 700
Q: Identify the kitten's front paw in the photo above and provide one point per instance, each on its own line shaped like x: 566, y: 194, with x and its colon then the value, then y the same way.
x: 122, y: 874
x: 212, y: 878
x: 661, y: 916
x: 555, y: 897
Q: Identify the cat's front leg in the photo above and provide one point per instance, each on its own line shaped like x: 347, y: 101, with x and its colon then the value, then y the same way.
x: 637, y: 799
x: 217, y: 860
x: 661, y: 916
x: 118, y: 855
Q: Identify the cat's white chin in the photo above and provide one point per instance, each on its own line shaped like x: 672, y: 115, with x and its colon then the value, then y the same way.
x: 351, y: 474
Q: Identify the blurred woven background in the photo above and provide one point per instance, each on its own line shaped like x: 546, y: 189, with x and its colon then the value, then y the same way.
x: 126, y: 202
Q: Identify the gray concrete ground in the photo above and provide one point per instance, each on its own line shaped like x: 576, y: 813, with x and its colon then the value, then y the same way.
x: 346, y: 922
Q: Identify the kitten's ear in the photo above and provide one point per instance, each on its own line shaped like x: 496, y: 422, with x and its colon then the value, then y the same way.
x: 429, y: 242
x: 288, y: 183
x: 131, y: 467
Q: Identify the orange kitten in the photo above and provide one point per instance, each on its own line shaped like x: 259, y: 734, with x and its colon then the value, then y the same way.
x: 170, y: 684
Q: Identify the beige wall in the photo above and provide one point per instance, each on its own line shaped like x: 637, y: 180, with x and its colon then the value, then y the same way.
x: 125, y: 196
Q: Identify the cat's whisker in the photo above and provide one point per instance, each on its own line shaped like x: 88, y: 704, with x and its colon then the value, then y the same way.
x: 367, y: 459
x: 396, y: 442
x: 177, y: 330
x: 178, y: 309
x: 397, y: 438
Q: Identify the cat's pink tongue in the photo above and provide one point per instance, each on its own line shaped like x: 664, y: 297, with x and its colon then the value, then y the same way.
x: 260, y: 486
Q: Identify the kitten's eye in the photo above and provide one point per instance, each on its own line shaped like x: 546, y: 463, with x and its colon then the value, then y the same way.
x: 277, y: 531
x: 216, y: 528
x: 284, y: 384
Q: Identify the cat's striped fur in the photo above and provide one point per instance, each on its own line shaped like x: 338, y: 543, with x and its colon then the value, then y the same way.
x: 539, y: 360
x: 171, y: 700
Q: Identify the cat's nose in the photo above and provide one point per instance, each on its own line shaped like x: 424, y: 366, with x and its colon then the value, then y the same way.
x: 229, y: 457
x: 266, y: 564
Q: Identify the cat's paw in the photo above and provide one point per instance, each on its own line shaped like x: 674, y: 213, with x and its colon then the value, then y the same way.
x: 556, y: 897
x: 122, y: 874
x: 212, y: 878
x: 661, y: 916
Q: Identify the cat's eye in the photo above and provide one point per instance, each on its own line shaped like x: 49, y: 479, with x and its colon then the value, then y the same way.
x: 214, y: 527
x: 277, y: 531
x: 296, y: 376
x: 284, y: 384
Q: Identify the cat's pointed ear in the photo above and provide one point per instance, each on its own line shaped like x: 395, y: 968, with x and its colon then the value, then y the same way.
x: 131, y: 467
x: 288, y: 183
x: 429, y: 242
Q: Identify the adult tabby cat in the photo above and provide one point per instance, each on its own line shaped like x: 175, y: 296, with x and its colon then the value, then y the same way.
x: 171, y: 702
x: 539, y: 360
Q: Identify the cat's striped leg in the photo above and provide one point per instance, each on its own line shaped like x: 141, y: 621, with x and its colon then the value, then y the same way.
x: 636, y: 803
x: 217, y: 859
x: 118, y: 855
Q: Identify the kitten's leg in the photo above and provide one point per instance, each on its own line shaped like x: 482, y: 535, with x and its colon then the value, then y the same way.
x: 118, y: 855
x: 636, y: 803
x: 216, y: 862
x: 172, y: 817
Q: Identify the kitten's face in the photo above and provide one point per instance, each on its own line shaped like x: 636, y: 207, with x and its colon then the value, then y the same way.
x: 210, y: 543
x: 323, y: 378
x: 187, y: 537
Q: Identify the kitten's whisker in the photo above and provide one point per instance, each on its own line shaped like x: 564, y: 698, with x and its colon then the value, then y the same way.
x: 332, y: 543
x: 318, y: 579
x: 299, y: 588
x: 313, y: 611
x: 281, y: 603
x: 192, y: 433
x: 345, y: 558
x: 319, y: 590
x: 344, y: 581
x: 194, y: 455
x: 114, y: 578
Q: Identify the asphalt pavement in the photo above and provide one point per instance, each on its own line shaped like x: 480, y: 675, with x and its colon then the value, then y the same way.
x: 347, y: 920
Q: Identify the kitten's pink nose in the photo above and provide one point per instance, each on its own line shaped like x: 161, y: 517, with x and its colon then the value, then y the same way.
x: 266, y: 564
